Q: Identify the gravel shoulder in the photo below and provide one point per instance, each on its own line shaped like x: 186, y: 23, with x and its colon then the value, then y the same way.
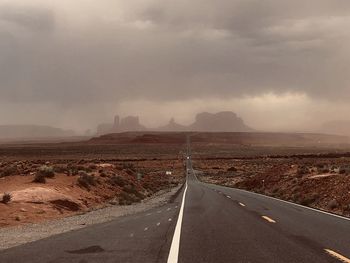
x: 15, y: 236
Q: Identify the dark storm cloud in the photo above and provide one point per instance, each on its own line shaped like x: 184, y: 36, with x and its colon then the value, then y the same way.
x: 285, y: 45
x: 79, y: 54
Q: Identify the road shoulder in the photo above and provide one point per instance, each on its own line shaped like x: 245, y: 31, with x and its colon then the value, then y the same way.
x: 15, y: 236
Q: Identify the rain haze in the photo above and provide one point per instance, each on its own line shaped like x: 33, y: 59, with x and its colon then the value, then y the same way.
x: 192, y: 131
x: 280, y: 65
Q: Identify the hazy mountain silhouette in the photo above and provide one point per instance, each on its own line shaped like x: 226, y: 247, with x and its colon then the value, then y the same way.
x: 129, y: 123
x: 32, y: 131
x: 173, y: 126
x: 225, y: 121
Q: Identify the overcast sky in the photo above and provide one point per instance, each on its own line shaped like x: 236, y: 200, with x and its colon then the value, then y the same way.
x: 279, y: 64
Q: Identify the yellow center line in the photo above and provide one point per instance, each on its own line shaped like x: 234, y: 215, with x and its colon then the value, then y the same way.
x: 268, y: 219
x: 337, y: 256
x: 241, y: 204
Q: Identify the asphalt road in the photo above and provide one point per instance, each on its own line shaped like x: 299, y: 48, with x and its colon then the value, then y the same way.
x: 205, y: 223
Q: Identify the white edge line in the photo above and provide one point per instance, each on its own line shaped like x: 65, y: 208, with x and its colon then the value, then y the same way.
x: 337, y: 255
x: 287, y: 202
x: 175, y: 244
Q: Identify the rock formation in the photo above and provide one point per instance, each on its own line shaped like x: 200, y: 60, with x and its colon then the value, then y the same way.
x: 225, y: 121
x: 173, y: 126
x: 129, y: 123
x: 218, y: 122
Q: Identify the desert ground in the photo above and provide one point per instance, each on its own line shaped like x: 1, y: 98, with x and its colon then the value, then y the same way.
x: 44, y: 181
x: 319, y: 181
x: 39, y: 182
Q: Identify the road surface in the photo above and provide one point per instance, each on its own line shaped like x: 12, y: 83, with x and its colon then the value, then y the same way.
x: 205, y: 223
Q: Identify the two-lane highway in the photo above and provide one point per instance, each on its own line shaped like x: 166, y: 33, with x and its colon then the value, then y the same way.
x: 228, y: 225
x: 205, y: 223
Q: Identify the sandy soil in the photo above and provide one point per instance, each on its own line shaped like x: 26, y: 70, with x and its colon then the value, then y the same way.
x: 78, y: 187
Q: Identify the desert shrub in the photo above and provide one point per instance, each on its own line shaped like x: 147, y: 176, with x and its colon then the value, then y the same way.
x: 306, y: 201
x: 92, y: 167
x: 46, y: 171
x: 60, y: 168
x: 149, y: 186
x: 322, y: 170
x: 86, y: 169
x: 85, y: 180
x: 325, y: 170
x: 347, y: 208
x: 117, y: 181
x: 275, y: 190
x: 315, y: 196
x: 103, y: 174
x: 6, y: 198
x: 73, y: 172
x: 320, y: 165
x: 342, y: 171
x: 129, y: 166
x: 131, y: 189
x: 8, y: 171
x: 127, y: 197
x: 302, y: 170
x: 332, y: 204
x: 232, y: 169
x: 39, y: 178
x: 75, y: 169
x: 296, y: 197
x: 294, y: 181
x: 130, y: 172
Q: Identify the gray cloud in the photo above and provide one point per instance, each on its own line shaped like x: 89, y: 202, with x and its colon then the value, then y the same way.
x: 73, y: 55
x: 33, y: 18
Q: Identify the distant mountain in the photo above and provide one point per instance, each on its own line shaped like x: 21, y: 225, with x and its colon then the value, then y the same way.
x: 129, y: 123
x: 225, y: 121
x: 173, y: 126
x: 336, y: 127
x: 234, y: 138
x: 32, y: 132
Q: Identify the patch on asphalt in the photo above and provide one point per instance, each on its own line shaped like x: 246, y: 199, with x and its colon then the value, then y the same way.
x: 87, y: 250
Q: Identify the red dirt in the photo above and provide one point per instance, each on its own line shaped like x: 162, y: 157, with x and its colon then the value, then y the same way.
x: 63, y: 195
x: 297, y: 180
x: 90, y: 174
x: 240, y: 138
